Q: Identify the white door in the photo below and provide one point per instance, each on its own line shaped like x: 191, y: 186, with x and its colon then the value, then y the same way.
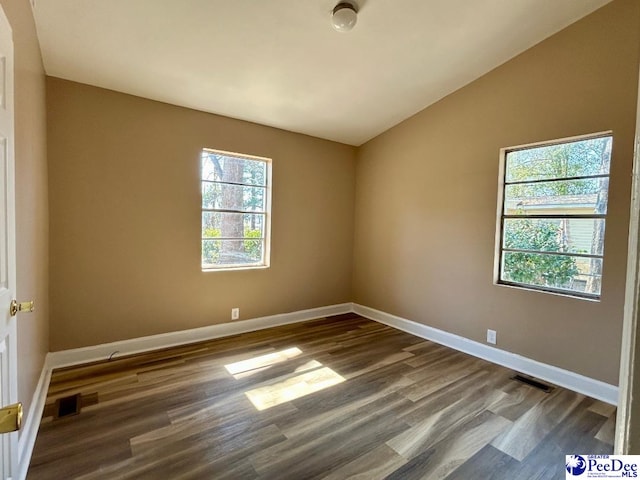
x: 8, y: 355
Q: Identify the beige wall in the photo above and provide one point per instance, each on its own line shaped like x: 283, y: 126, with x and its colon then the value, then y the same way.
x: 427, y: 191
x: 31, y: 197
x: 125, y: 219
x: 124, y: 199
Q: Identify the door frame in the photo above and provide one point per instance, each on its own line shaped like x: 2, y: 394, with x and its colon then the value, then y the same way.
x: 10, y: 454
x: 627, y: 410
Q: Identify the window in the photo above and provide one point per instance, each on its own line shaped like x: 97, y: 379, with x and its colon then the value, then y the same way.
x: 552, y: 215
x: 236, y: 201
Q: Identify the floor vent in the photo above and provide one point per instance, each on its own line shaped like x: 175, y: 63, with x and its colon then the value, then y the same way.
x: 68, y: 406
x: 533, y: 383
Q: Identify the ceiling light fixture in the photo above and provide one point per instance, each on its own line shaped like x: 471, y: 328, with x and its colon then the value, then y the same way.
x: 344, y: 16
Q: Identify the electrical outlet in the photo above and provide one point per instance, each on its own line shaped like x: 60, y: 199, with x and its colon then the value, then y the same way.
x: 491, y: 336
x: 235, y: 313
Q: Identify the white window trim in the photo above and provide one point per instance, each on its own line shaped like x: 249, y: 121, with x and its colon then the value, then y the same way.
x: 266, y: 263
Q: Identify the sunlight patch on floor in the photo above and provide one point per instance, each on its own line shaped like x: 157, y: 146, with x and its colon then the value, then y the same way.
x: 292, y: 388
x: 254, y: 365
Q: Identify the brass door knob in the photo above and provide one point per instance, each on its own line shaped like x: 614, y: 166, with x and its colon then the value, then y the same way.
x: 11, y: 418
x: 16, y: 307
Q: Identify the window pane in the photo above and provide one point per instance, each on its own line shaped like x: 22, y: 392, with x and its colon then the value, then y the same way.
x: 573, y: 274
x: 232, y: 225
x: 232, y: 252
x: 570, y: 235
x: 567, y: 197
x: 210, y: 251
x: 573, y: 159
x: 224, y: 168
x: 232, y: 197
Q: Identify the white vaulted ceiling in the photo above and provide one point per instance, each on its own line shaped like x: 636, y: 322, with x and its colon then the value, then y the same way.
x: 280, y: 63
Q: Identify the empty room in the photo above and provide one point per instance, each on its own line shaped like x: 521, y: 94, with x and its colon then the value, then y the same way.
x: 319, y: 240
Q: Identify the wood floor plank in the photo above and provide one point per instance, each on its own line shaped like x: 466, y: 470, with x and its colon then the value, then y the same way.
x: 434, y: 428
x: 335, y: 411
x: 212, y: 452
x: 519, y: 401
x: 533, y: 426
x: 607, y: 432
x: 573, y: 435
x: 583, y: 425
x: 602, y: 408
x: 444, y: 457
x: 334, y: 442
x: 326, y: 453
x: 488, y: 463
x: 404, y: 408
x: 373, y: 465
x: 462, y: 389
x: 437, y: 379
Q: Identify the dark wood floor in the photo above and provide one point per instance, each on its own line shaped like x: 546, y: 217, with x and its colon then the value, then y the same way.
x: 335, y: 398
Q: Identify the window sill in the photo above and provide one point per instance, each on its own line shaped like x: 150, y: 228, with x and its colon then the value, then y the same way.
x: 234, y: 269
x: 575, y: 296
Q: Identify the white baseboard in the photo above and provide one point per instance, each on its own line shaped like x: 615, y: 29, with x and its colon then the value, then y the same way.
x: 94, y: 353
x: 558, y: 376
x: 29, y: 432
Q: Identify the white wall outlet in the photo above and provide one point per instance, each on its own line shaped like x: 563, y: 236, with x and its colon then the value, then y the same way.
x: 235, y: 313
x: 491, y: 336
